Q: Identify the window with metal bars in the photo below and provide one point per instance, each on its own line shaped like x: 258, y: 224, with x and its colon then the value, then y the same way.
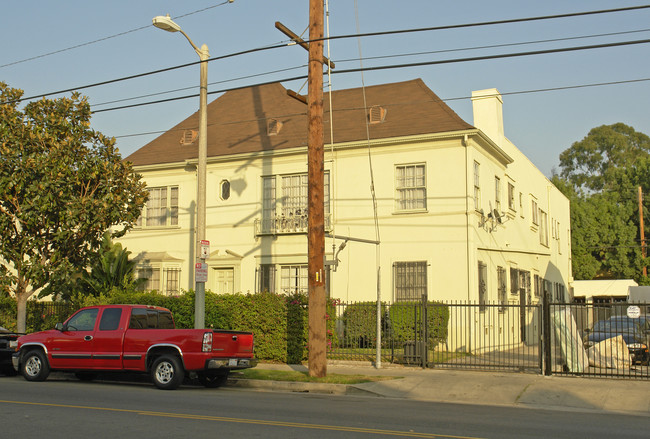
x: 285, y: 208
x: 265, y: 275
x: 502, y: 279
x: 172, y: 281
x: 410, y: 280
x: 482, y: 286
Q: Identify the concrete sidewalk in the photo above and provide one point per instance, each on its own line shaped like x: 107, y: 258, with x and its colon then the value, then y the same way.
x: 471, y: 387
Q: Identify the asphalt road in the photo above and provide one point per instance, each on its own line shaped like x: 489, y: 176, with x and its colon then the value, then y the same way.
x: 64, y: 407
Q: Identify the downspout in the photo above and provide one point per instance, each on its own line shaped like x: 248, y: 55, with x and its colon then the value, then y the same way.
x: 465, y: 142
x: 468, y: 341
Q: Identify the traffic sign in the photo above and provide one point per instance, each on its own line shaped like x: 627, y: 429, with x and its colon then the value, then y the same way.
x: 201, y: 272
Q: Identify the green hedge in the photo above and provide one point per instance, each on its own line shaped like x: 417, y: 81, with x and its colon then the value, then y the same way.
x: 403, y: 318
x: 279, y: 322
x: 360, y: 324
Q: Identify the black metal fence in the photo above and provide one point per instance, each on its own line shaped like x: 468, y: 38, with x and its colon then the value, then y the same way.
x: 605, y: 340
x: 548, y: 338
x: 456, y: 335
x: 40, y: 315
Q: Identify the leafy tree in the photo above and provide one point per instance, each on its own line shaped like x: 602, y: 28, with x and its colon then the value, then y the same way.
x: 111, y: 269
x: 62, y: 185
x: 588, y: 164
x: 600, y: 176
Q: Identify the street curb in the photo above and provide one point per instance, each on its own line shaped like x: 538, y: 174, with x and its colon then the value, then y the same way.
x: 299, y: 387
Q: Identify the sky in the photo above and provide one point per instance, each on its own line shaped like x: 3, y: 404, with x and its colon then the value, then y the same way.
x: 48, y: 46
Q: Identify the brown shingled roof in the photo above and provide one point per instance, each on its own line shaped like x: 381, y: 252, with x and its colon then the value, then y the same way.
x: 237, y: 120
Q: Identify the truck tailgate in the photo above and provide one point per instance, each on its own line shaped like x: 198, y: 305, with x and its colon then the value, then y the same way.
x: 232, y: 343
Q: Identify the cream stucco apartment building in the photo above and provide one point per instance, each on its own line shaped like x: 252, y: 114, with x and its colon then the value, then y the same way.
x: 462, y: 214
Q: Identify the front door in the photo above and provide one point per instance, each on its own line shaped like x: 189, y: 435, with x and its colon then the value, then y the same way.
x: 73, y: 346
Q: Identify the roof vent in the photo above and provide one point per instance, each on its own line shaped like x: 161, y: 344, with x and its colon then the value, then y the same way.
x: 273, y: 127
x: 189, y: 137
x: 376, y: 114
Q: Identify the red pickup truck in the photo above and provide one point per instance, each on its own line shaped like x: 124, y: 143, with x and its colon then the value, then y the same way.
x: 133, y: 338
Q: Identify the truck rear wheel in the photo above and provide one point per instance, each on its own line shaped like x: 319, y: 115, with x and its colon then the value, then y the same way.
x: 167, y: 372
x: 213, y: 380
x: 34, y: 366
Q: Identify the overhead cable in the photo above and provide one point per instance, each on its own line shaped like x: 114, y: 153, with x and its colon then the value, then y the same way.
x: 395, y: 66
x: 88, y: 43
x: 401, y: 31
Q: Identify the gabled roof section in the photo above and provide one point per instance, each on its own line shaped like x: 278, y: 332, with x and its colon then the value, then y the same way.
x: 238, y: 121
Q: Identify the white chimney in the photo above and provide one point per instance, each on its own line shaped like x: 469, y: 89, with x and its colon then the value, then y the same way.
x: 488, y: 113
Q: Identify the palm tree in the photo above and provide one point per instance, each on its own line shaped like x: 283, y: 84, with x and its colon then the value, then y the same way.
x: 112, y: 269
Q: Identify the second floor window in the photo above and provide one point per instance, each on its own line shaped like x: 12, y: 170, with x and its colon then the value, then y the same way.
x: 511, y: 196
x: 410, y: 187
x: 161, y: 209
x: 477, y: 186
x: 497, y: 193
x: 285, y: 202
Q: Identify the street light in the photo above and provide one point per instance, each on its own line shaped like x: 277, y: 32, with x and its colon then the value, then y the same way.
x: 167, y: 24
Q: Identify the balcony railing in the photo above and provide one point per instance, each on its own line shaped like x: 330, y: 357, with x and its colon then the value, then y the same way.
x: 286, y: 224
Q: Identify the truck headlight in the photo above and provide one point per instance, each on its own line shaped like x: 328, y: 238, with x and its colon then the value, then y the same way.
x: 13, y: 344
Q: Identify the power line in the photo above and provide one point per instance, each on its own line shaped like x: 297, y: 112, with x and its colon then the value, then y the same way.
x: 493, y: 46
x: 409, y: 65
x: 377, y: 57
x: 88, y: 43
x: 393, y: 32
x: 490, y: 23
x: 499, y: 56
x: 211, y: 83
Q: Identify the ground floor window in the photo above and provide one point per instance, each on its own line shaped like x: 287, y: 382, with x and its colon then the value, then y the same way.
x: 293, y: 279
x: 224, y: 280
x: 265, y: 278
x: 502, y: 279
x: 161, y: 278
x: 410, y: 279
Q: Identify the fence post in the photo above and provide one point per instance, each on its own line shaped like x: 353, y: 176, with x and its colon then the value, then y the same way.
x: 546, y: 332
x: 425, y: 332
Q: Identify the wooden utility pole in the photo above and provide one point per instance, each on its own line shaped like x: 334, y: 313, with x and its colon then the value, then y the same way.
x: 316, y: 223
x: 641, y: 232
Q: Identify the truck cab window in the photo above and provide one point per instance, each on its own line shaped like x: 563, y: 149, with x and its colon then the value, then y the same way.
x: 83, y: 321
x: 110, y: 320
x: 138, y: 318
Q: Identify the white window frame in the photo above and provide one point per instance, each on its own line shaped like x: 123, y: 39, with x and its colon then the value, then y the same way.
x: 161, y: 209
x: 285, y: 196
x: 497, y: 193
x: 294, y: 278
x: 477, y: 185
x: 511, y: 197
x: 543, y: 228
x: 410, y: 187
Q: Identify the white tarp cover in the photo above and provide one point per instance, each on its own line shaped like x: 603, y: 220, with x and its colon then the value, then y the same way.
x: 610, y: 354
x: 568, y: 337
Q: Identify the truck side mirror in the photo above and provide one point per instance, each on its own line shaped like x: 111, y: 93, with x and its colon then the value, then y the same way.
x: 59, y: 327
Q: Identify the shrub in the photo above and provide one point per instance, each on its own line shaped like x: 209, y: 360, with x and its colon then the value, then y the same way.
x: 405, y: 315
x: 360, y: 324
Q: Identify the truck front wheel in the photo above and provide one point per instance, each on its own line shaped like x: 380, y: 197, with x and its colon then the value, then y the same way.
x: 34, y: 366
x: 167, y: 372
